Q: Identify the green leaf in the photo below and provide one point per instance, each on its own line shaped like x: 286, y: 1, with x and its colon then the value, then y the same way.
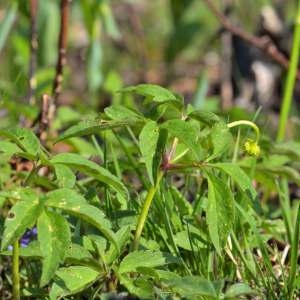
x: 206, y: 117
x: 220, y: 211
x: 148, y: 142
x: 24, y: 138
x: 89, y: 127
x: 183, y: 205
x: 55, y: 237
x: 121, y: 113
x: 65, y: 177
x: 72, y: 280
x: 9, y: 148
x: 90, y: 168
x: 192, y: 287
x: 73, y: 203
x: 146, y: 258
x: 185, y: 133
x: 123, y: 238
x: 160, y: 149
x: 22, y: 215
x: 221, y: 139
x: 140, y: 286
x: 237, y: 290
x: 155, y: 92
x: 239, y: 176
x: 32, y: 251
x: 76, y: 253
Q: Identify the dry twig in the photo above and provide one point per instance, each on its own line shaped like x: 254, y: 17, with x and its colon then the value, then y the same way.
x: 263, y: 43
x: 62, y: 45
x: 49, y: 103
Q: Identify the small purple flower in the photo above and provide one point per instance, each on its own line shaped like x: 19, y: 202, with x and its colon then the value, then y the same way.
x: 27, y: 237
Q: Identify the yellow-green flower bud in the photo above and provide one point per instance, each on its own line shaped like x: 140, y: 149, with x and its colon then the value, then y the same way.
x: 252, y: 148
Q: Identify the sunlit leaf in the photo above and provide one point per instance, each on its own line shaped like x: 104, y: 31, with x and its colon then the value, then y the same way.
x: 22, y: 216
x: 73, y: 203
x: 185, y: 133
x: 24, y: 138
x: 192, y: 287
x: 148, y: 142
x: 79, y: 163
x: 145, y: 258
x: 54, y: 236
x: 72, y: 280
x: 154, y: 92
x: 220, y: 211
x: 65, y: 177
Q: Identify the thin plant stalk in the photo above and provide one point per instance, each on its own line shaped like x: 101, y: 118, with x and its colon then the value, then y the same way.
x: 145, y: 209
x: 15, y: 270
x: 33, y: 51
x: 294, y: 256
x: 290, y: 81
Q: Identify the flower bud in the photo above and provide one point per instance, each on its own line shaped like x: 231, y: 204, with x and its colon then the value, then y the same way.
x: 252, y: 148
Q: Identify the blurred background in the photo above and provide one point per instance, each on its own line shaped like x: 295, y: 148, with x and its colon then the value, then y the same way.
x: 175, y: 43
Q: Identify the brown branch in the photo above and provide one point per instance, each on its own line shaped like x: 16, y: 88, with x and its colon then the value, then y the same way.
x: 62, y: 45
x: 46, y: 116
x: 33, y: 50
x: 48, y: 105
x: 262, y: 43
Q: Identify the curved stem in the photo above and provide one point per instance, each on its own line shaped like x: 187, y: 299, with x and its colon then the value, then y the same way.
x: 146, y: 206
x: 247, y: 123
x: 15, y: 271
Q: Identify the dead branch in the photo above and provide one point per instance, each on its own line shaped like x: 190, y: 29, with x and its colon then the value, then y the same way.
x: 62, y: 45
x: 263, y: 43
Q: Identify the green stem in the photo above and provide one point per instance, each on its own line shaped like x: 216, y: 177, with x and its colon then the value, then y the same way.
x: 247, y: 123
x: 290, y: 81
x: 144, y: 213
x: 15, y: 271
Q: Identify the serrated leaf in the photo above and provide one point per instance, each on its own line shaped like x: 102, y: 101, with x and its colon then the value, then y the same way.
x: 24, y: 138
x: 65, y: 177
x: 237, y: 290
x: 239, y: 176
x: 90, y: 168
x: 185, y: 133
x: 21, y: 216
x: 219, y: 212
x: 54, y: 237
x: 148, y: 142
x: 121, y: 113
x: 123, y: 238
x: 221, y: 139
x: 89, y: 127
x: 73, y: 203
x: 206, y: 117
x: 183, y: 205
x: 145, y: 258
x: 77, y: 253
x: 72, y: 280
x: 192, y: 287
x: 140, y: 287
x: 155, y: 92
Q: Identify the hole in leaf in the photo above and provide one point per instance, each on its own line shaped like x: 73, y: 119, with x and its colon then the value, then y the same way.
x: 11, y: 215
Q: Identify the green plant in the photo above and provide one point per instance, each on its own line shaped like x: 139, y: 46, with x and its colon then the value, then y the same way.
x: 188, y: 241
